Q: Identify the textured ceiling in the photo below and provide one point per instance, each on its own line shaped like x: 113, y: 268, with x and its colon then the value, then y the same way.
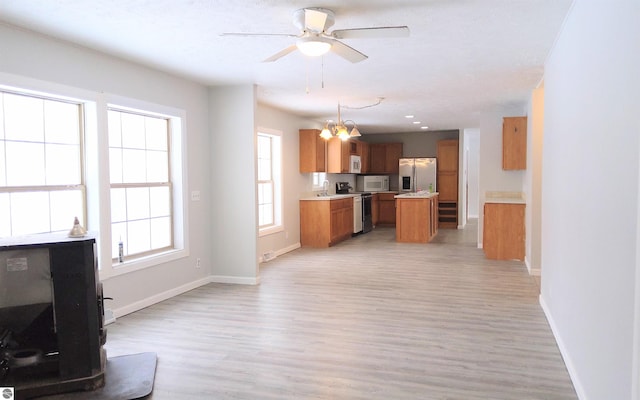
x: 462, y: 56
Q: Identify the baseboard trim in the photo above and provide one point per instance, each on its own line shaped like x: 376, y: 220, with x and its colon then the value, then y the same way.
x: 280, y: 252
x: 238, y: 280
x: 573, y: 374
x: 157, y: 298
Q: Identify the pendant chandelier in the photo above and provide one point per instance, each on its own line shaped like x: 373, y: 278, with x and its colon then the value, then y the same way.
x: 339, y: 129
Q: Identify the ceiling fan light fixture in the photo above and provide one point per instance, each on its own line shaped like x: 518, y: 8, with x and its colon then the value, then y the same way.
x: 313, y: 46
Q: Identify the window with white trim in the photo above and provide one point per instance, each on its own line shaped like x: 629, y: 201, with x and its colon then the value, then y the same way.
x: 42, y: 185
x: 318, y: 180
x: 141, y: 190
x: 269, y: 153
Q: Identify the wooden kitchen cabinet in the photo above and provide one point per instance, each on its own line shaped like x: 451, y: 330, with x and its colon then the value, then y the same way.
x: 447, y: 183
x: 324, y: 223
x: 504, y: 231
x: 514, y: 143
x: 387, y: 208
x: 313, y: 151
x: 384, y: 158
x: 375, y: 206
x: 416, y: 219
x: 364, y: 157
x: 338, y: 156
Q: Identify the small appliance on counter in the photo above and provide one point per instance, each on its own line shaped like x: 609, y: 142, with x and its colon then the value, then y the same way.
x: 343, y: 187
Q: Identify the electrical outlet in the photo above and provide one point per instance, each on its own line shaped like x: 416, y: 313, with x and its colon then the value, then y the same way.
x: 198, y: 262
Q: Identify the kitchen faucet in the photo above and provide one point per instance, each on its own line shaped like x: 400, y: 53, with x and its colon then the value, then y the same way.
x: 325, y: 188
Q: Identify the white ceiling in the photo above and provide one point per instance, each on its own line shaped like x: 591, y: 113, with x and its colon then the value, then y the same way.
x: 462, y: 56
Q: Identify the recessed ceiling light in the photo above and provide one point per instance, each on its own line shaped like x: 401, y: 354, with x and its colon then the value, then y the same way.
x: 416, y: 122
x: 424, y: 127
x: 408, y: 116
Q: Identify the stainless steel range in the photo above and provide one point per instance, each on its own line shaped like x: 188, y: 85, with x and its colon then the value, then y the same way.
x: 362, y: 218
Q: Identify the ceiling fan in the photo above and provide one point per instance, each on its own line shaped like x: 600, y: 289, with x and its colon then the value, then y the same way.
x: 314, y: 40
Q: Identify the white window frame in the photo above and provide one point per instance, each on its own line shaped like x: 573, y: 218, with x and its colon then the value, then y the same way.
x: 178, y: 178
x: 96, y: 166
x: 277, y: 176
x: 49, y: 188
x: 318, y: 180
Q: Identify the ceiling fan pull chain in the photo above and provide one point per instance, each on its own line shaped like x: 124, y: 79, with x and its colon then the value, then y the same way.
x: 307, y: 76
x: 322, y: 70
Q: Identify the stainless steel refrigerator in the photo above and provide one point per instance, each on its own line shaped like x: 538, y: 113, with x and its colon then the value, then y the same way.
x: 416, y: 174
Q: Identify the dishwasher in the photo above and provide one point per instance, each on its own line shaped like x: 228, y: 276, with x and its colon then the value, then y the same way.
x: 357, y: 214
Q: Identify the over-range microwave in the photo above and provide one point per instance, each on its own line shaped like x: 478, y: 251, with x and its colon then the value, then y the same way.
x: 372, y: 183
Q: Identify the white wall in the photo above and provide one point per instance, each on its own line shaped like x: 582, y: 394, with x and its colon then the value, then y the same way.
x: 234, y: 226
x: 491, y: 176
x: 590, y: 195
x: 472, y: 148
x: 41, y: 58
x: 294, y: 183
x: 533, y: 181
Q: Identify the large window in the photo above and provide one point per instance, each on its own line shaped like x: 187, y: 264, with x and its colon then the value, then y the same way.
x: 269, y: 181
x: 123, y: 179
x: 41, y: 179
x: 141, y: 192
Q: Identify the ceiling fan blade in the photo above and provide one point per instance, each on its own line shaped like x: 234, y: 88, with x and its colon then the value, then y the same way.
x: 346, y: 52
x: 364, y: 33
x: 281, y: 53
x: 314, y: 20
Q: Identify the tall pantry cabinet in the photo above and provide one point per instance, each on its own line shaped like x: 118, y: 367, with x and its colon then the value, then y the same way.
x: 447, y: 183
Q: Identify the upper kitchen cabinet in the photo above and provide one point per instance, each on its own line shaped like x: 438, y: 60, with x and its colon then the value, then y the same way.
x: 313, y: 151
x: 514, y: 143
x: 364, y: 156
x: 338, y: 153
x: 384, y: 158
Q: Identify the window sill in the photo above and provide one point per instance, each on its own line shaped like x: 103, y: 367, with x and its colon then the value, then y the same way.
x: 138, y: 264
x: 270, y: 231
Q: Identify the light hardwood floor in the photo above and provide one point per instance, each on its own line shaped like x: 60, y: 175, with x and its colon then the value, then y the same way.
x: 367, y: 319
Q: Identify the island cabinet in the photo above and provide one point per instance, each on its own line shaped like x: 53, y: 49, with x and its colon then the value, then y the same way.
x: 504, y: 231
x: 416, y: 219
x: 387, y: 208
x: 313, y: 151
x: 324, y: 223
x: 514, y: 143
x: 384, y: 158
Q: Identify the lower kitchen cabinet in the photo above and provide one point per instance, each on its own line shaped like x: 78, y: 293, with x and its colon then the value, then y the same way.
x: 375, y: 207
x: 324, y: 223
x: 504, y: 231
x: 387, y: 208
x: 416, y: 219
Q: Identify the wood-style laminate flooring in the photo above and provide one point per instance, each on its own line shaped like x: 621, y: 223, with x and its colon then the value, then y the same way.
x: 367, y: 319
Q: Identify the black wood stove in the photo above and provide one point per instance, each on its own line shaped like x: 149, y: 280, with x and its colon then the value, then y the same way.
x: 51, y: 316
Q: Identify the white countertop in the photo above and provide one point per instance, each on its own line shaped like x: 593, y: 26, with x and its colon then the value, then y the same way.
x: 505, y: 197
x: 423, y: 194
x: 330, y: 197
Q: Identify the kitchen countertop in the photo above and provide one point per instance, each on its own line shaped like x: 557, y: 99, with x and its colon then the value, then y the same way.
x: 423, y: 194
x: 330, y: 197
x: 505, y: 197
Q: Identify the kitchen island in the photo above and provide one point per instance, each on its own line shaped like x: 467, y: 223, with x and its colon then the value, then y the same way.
x: 416, y: 217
